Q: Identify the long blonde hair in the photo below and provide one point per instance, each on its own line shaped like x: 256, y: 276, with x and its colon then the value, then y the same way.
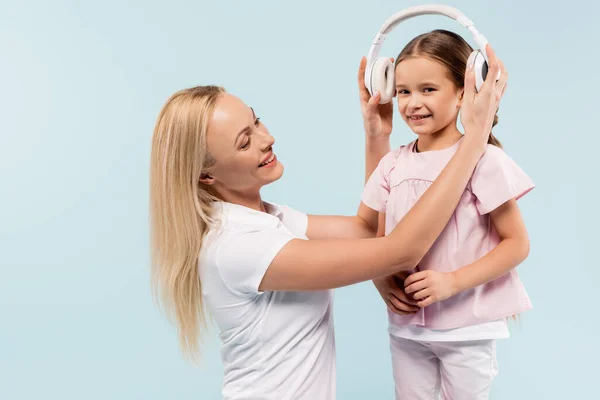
x: 180, y: 215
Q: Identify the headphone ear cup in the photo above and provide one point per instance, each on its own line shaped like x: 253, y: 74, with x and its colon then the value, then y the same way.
x: 382, y: 79
x: 480, y: 67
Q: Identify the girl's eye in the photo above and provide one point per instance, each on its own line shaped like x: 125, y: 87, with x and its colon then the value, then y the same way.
x: 402, y: 91
x: 428, y: 90
x: 257, y: 121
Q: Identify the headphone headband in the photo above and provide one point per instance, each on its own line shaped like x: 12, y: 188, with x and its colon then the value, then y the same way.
x: 428, y: 9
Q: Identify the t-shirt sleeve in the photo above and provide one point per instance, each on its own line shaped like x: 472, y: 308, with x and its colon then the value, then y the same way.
x: 244, y: 257
x: 498, y: 179
x: 296, y: 221
x: 377, y: 189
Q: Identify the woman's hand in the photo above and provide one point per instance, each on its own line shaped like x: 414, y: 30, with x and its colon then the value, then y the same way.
x: 391, y: 289
x: 377, y: 117
x: 428, y: 287
x: 478, y: 109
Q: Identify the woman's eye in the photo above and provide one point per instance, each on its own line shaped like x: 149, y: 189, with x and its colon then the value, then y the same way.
x: 246, y: 144
x: 257, y: 122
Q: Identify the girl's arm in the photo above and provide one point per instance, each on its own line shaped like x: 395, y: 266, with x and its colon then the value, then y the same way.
x: 378, y: 127
x: 431, y: 286
x: 391, y: 287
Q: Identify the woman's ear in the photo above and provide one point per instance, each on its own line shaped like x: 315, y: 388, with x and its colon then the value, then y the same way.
x: 207, y: 179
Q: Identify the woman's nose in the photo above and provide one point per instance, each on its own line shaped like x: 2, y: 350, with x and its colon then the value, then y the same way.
x: 266, y: 141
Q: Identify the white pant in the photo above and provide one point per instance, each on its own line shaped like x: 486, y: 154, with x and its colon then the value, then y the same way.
x: 460, y: 370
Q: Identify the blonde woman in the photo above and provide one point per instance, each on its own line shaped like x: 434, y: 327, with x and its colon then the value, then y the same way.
x: 265, y: 272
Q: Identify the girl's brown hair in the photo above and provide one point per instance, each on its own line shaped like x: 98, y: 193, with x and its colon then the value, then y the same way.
x: 449, y: 49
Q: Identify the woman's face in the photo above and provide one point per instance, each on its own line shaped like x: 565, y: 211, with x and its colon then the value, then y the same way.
x: 242, y: 149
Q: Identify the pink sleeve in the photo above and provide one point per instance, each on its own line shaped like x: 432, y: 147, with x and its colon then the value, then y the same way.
x: 377, y: 188
x: 498, y: 179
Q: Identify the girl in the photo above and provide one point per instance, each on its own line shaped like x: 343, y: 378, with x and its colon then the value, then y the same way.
x: 446, y: 315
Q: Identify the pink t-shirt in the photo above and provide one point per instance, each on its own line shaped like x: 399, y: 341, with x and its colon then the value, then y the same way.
x: 402, y: 177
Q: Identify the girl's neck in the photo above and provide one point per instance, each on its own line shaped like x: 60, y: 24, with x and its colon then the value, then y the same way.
x: 439, y: 140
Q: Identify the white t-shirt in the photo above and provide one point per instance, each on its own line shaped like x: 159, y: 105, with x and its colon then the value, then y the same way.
x: 275, y: 345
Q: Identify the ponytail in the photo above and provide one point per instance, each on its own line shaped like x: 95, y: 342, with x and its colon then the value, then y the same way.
x: 492, y: 139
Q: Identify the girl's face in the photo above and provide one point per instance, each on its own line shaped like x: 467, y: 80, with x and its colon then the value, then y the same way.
x: 427, y: 98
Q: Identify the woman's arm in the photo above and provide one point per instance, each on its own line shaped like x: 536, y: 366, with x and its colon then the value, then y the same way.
x: 431, y: 286
x: 303, y: 265
x: 364, y: 223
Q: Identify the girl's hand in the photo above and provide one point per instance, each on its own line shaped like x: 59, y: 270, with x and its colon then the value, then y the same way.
x: 391, y: 289
x: 377, y: 118
x: 478, y: 109
x: 428, y: 287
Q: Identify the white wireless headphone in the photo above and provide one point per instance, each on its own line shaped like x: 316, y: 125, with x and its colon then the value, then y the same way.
x: 379, y: 74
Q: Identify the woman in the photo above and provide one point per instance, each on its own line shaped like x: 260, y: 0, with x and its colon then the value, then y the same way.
x: 217, y: 245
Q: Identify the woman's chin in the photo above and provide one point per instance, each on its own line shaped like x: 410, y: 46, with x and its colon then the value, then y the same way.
x: 273, y: 173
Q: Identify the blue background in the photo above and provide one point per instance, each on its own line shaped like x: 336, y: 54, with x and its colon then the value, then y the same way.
x: 81, y: 84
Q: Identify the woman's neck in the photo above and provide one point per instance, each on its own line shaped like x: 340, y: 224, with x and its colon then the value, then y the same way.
x: 439, y: 140
x: 253, y: 201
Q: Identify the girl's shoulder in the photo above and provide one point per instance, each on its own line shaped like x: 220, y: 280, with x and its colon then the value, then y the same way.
x: 493, y: 157
x: 403, y: 150
x: 389, y: 160
x: 497, y: 179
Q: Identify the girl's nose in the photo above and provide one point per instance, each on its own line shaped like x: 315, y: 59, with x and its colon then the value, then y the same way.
x: 414, y: 101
